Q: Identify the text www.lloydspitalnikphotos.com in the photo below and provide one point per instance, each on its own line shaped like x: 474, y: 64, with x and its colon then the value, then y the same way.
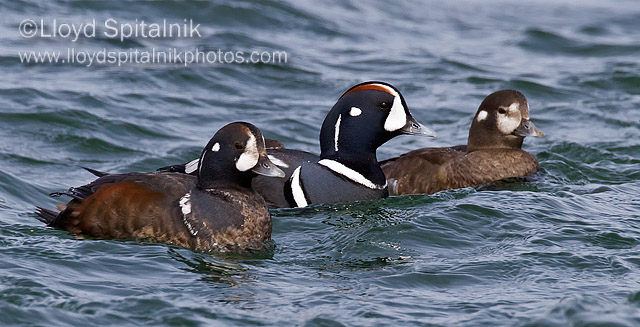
x: 115, y: 30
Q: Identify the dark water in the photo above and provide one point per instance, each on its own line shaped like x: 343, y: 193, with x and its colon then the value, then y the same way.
x: 562, y: 250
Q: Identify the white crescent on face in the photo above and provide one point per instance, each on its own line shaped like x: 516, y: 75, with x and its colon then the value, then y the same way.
x: 397, y: 116
x: 508, y: 123
x: 249, y: 158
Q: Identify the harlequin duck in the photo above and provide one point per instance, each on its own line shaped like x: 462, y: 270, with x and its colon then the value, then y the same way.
x: 492, y: 152
x: 366, y: 116
x: 215, y: 210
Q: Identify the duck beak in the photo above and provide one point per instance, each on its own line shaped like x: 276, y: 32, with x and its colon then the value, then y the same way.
x: 527, y: 128
x: 413, y: 127
x: 267, y: 168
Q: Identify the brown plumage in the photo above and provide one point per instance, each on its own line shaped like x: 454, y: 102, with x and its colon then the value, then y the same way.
x: 215, y: 210
x: 493, y: 152
x: 273, y: 144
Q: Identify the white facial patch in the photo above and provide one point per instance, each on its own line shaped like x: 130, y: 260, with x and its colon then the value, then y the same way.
x: 336, y: 133
x: 350, y: 174
x: 482, y: 115
x: 296, y: 189
x: 191, y: 166
x: 249, y: 158
x: 508, y: 123
x: 277, y: 161
x: 355, y: 112
x: 215, y: 147
x: 397, y: 117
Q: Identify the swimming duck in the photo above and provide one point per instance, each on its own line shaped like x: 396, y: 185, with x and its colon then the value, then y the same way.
x: 215, y: 209
x: 365, y: 117
x: 493, y: 151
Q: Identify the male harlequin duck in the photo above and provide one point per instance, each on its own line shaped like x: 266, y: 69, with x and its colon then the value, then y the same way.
x: 492, y: 152
x: 215, y: 210
x: 365, y: 117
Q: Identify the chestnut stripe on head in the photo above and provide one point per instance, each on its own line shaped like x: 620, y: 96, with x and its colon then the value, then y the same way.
x: 397, y: 116
x: 373, y: 86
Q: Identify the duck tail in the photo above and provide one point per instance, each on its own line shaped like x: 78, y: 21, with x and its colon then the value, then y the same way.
x: 96, y: 172
x: 47, y: 216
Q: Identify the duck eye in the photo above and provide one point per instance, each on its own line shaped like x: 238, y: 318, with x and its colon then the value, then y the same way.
x: 238, y: 146
x: 502, y: 111
x: 385, y: 105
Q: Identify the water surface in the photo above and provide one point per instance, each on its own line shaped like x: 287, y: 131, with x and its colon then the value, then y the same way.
x: 562, y: 249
